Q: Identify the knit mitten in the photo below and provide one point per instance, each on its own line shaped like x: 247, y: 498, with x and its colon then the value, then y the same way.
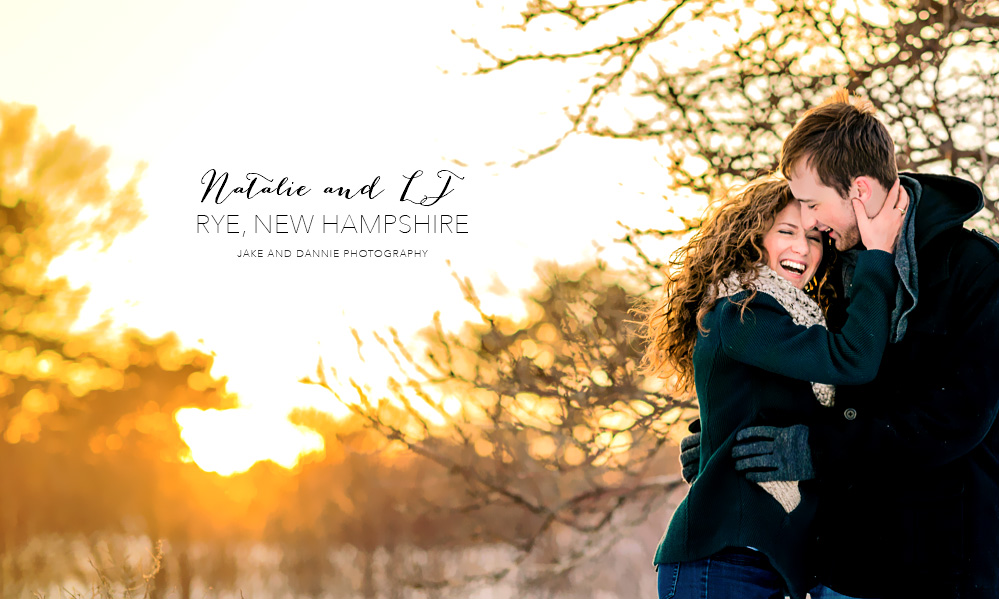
x: 771, y: 453
x: 690, y: 452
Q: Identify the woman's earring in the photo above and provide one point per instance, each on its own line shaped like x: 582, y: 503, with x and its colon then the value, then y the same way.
x: 812, y: 285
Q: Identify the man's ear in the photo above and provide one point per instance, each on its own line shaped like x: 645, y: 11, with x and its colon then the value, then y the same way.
x: 861, y: 189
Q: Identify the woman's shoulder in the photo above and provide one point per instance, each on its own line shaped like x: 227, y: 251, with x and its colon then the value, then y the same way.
x: 746, y: 305
x: 741, y: 309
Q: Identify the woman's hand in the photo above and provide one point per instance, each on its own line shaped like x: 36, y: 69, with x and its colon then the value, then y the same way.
x: 881, y: 232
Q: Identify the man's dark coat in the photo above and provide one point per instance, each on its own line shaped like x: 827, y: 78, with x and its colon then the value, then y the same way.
x: 909, y: 463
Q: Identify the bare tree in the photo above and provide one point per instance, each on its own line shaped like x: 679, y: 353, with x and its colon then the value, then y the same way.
x: 549, y: 439
x: 88, y: 437
x: 930, y: 68
x: 546, y: 432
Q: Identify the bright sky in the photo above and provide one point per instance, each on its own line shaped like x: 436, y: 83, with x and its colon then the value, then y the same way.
x: 325, y: 94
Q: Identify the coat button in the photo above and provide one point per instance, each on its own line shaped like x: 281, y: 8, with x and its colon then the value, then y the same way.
x: 850, y: 413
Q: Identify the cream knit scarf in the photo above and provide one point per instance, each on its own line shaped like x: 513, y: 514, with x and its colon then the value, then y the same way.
x: 804, y: 311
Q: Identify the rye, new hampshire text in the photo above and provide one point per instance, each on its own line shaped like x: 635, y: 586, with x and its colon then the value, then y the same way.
x: 335, y: 223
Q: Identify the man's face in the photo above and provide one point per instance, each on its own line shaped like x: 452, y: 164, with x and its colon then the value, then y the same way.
x: 822, y: 207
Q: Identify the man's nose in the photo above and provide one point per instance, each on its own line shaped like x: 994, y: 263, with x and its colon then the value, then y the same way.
x: 807, y: 220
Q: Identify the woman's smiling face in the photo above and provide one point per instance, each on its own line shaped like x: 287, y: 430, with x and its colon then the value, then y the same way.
x: 793, y: 252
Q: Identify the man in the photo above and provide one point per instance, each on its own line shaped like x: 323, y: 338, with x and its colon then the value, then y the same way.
x: 907, y: 465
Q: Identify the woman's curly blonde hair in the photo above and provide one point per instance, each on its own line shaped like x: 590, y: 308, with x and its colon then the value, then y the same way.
x: 729, y: 241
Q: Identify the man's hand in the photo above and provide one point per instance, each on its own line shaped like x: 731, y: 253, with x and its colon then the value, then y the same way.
x: 769, y: 453
x: 690, y: 452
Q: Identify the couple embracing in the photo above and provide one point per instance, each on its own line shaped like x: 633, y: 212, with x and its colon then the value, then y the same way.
x: 840, y: 327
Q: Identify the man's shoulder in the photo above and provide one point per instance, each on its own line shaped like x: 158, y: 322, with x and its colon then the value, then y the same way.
x: 967, y: 260
x: 971, y: 249
x: 958, y: 257
x: 961, y: 244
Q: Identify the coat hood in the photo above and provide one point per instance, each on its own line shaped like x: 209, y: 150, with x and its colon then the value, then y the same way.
x: 945, y: 202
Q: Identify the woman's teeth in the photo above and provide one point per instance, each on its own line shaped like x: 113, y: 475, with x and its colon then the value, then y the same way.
x: 795, y: 267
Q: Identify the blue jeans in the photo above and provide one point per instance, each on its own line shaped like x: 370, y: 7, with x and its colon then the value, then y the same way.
x: 732, y: 572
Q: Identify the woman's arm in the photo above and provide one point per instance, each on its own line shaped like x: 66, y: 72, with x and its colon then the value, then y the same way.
x: 766, y: 337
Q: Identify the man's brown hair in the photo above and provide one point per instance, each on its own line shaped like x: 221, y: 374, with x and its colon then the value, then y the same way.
x: 842, y: 140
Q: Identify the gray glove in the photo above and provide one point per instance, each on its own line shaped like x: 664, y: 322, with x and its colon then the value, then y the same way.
x: 690, y: 452
x: 770, y: 453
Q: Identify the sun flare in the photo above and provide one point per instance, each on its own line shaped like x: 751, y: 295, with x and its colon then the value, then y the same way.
x: 231, y: 441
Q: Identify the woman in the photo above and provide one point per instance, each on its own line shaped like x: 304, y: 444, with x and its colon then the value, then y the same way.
x: 742, y: 323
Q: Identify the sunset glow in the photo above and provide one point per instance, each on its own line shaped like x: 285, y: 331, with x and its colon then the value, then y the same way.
x: 232, y: 441
x: 181, y: 110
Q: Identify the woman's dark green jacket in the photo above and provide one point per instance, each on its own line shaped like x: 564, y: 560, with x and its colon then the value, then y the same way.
x: 755, y: 368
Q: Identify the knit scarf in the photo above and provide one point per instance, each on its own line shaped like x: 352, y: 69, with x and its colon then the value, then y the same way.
x: 804, y: 311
